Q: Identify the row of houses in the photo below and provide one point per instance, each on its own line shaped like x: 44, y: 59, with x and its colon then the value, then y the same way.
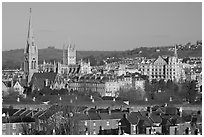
x: 81, y: 120
x: 107, y: 85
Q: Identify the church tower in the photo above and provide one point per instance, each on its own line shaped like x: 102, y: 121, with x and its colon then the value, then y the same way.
x: 30, y: 54
x: 69, y: 55
x: 175, y: 52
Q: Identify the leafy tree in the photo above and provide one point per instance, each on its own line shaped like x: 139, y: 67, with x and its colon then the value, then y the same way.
x: 162, y: 84
x: 192, y: 91
x: 169, y: 84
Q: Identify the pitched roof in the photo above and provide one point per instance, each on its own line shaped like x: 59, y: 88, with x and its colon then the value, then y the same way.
x: 9, y: 111
x: 94, y: 116
x: 17, y: 113
x: 171, y: 110
x: 155, y: 118
x: 81, y: 117
x: 38, y: 78
x: 160, y: 60
x: 133, y: 117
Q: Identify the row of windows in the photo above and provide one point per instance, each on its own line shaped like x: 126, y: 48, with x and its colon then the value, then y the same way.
x: 33, y: 64
x: 4, y: 126
x: 158, y: 69
x: 163, y: 76
x: 94, y: 123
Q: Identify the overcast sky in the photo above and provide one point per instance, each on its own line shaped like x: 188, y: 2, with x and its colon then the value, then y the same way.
x: 102, y: 26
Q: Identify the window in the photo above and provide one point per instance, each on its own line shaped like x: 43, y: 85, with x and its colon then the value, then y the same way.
x: 94, y: 124
x: 108, y: 123
x: 85, y: 123
x: 14, y: 126
x: 14, y: 133
x: 94, y: 132
x: 134, y: 127
x: 30, y: 126
x: 4, y: 127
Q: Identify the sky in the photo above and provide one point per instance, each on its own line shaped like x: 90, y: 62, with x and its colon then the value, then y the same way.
x: 101, y: 26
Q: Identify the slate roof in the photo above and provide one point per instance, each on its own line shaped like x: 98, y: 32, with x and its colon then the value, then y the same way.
x: 133, y: 117
x: 171, y: 110
x: 155, y: 118
x: 17, y: 119
x: 17, y: 113
x: 81, y: 117
x: 9, y: 111
x: 38, y: 114
x: 94, y: 116
x: 23, y: 114
x: 47, y: 75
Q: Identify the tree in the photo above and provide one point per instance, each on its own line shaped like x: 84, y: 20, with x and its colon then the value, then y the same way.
x: 148, y: 89
x: 192, y: 91
x: 162, y: 84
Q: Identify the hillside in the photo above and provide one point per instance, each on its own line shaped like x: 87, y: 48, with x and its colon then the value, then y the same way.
x: 14, y: 58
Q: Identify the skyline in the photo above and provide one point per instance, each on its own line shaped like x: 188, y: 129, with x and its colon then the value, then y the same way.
x: 112, y: 26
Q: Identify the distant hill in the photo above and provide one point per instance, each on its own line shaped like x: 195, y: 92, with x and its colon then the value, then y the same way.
x: 14, y: 58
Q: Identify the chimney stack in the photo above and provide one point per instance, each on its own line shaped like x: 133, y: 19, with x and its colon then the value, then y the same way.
x: 92, y: 100
x: 18, y: 99
x: 109, y: 110
x: 180, y: 111
x: 34, y: 99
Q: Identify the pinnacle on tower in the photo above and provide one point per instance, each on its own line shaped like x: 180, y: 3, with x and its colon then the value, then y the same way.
x: 175, y: 51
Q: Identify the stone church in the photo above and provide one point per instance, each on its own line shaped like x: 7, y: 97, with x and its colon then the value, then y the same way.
x: 69, y: 65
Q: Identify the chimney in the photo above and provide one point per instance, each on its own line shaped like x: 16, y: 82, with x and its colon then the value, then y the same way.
x: 86, y: 112
x: 180, y: 111
x: 128, y: 110
x: 92, y: 100
x: 18, y: 99
x: 124, y: 115
x: 109, y: 110
x: 46, y: 82
x: 11, y: 83
x: 170, y: 99
x: 34, y: 99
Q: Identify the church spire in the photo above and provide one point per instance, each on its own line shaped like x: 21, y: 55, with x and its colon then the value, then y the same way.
x: 30, y: 38
x: 30, y: 54
x: 175, y: 52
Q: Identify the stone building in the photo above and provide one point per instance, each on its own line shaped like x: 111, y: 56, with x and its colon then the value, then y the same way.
x: 163, y: 68
x: 30, y: 54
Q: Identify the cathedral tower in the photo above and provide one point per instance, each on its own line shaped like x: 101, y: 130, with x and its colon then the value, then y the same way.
x: 30, y: 54
x: 69, y: 55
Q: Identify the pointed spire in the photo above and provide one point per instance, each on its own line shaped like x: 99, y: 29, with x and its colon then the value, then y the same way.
x: 30, y: 39
x: 175, y: 52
